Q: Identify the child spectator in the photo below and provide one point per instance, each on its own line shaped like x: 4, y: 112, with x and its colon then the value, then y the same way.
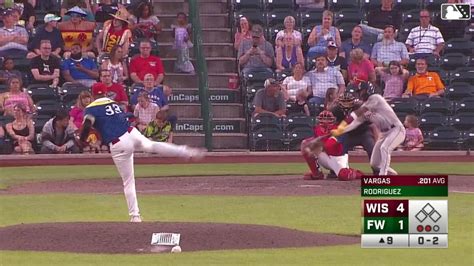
x: 394, y: 79
x: 144, y: 23
x: 330, y: 99
x: 302, y: 103
x: 115, y: 64
x: 160, y: 129
x: 144, y: 111
x: 182, y: 43
x: 8, y: 70
x: 21, y: 130
x: 77, y: 111
x: 242, y: 32
x: 414, y: 136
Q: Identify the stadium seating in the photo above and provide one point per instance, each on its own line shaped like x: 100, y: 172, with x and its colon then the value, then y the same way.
x: 405, y: 30
x: 336, y: 5
x: 432, y: 120
x: 345, y: 29
x: 40, y: 92
x: 278, y: 16
x: 298, y: 121
x: 433, y: 5
x: 296, y: 135
x: 411, y: 16
x: 453, y: 61
x: 459, y: 45
x: 441, y: 105
x: 311, y: 17
x: 70, y: 91
x: 39, y: 121
x: 405, y: 5
x: 368, y: 5
x: 247, y: 4
x: 256, y: 77
x: 459, y: 90
x: 267, y: 139
x: 283, y: 4
x: 254, y: 16
x: 348, y: 16
x: 466, y: 105
x: 265, y: 120
x: 444, y: 138
x: 462, y: 75
x: 273, y: 31
x: 468, y: 139
x: 405, y: 105
x: 463, y: 121
x: 48, y: 107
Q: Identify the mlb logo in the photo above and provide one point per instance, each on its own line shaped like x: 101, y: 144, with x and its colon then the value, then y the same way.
x: 456, y: 11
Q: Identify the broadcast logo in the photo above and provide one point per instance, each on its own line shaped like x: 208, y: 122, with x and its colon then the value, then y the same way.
x: 455, y: 11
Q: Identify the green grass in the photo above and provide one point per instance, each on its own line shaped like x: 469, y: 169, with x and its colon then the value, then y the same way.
x: 16, y: 175
x: 305, y: 213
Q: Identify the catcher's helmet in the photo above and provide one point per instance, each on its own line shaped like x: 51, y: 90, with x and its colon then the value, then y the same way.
x: 326, y: 117
x: 346, y: 100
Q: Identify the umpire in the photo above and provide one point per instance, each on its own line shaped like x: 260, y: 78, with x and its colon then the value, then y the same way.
x: 364, y: 135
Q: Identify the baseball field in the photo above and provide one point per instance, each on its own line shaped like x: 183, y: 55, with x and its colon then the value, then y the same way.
x: 228, y: 211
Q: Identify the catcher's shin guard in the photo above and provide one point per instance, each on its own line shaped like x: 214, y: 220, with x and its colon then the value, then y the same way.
x: 311, y: 160
x: 347, y: 174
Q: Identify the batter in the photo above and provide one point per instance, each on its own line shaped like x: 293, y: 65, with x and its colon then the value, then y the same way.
x: 106, y: 117
x: 376, y: 110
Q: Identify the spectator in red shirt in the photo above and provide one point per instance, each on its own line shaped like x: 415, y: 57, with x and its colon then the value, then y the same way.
x: 146, y: 63
x: 360, y: 69
x: 114, y: 91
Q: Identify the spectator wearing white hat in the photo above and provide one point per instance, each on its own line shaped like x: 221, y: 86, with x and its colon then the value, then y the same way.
x: 48, y: 31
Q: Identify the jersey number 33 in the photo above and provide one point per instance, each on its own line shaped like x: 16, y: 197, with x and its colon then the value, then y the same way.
x: 112, y: 109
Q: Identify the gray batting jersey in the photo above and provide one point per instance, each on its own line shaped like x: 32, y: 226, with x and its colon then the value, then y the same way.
x: 381, y: 113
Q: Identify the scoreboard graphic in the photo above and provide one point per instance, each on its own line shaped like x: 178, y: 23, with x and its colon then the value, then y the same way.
x: 404, y: 223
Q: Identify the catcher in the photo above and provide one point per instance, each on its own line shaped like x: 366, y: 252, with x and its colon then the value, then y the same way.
x: 327, y: 151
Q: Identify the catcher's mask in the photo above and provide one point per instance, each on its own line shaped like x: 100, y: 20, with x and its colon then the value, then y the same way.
x: 326, y: 118
x: 346, y: 100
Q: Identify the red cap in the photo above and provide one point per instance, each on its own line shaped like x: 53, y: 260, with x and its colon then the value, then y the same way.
x: 99, y: 89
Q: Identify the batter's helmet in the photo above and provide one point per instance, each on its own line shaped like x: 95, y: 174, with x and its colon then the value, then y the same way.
x: 366, y: 85
x: 346, y: 100
x: 326, y: 117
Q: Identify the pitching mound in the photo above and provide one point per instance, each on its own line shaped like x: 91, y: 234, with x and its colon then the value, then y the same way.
x: 115, y: 237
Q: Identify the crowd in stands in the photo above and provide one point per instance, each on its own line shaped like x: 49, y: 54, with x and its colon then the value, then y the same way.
x: 398, y: 61
x: 82, y: 47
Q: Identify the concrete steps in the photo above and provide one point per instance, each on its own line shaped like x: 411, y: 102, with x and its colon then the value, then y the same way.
x: 214, y: 64
x: 175, y: 6
x: 209, y: 49
x: 216, y: 20
x: 209, y: 35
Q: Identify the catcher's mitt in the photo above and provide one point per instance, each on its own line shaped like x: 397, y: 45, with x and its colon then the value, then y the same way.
x: 314, y: 147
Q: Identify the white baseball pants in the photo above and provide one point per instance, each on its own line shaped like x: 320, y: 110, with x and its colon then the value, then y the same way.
x: 122, y: 155
x: 381, y: 154
x: 334, y: 163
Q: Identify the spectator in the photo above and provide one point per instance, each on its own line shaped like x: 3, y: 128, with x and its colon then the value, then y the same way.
x: 58, y: 135
x: 48, y: 31
x: 425, y: 40
x: 378, y: 18
x: 160, y: 129
x: 414, y: 136
x: 15, y: 96
x: 256, y: 55
x: 451, y: 28
x: 288, y: 54
x: 146, y: 63
x: 330, y: 101
x: 424, y: 84
x: 115, y: 31
x: 145, y: 111
x: 77, y: 30
x: 389, y: 50
x: 322, y: 34
x: 394, y: 79
x: 104, y: 10
x: 21, y: 130
x: 335, y: 61
x: 44, y: 67
x: 84, y: 5
x: 302, y: 103
x: 114, y: 91
x: 242, y: 32
x: 293, y: 84
x: 323, y: 78
x: 155, y: 93
x: 289, y: 23
x: 144, y: 23
x: 182, y: 42
x: 355, y: 42
x: 79, y: 70
x: 8, y: 70
x: 360, y: 69
x: 114, y: 63
x: 270, y: 99
x: 13, y: 38
x: 27, y: 11
x: 77, y: 111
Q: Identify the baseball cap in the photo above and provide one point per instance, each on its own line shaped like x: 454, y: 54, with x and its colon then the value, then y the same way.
x: 332, y: 44
x: 76, y: 10
x: 51, y: 17
x: 9, y: 11
x: 257, y: 31
x: 99, y: 89
x: 271, y: 81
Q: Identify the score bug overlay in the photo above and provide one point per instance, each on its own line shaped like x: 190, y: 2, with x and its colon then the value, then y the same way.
x: 404, y: 223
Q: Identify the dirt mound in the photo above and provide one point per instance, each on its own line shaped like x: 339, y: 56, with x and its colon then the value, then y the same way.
x: 115, y: 237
